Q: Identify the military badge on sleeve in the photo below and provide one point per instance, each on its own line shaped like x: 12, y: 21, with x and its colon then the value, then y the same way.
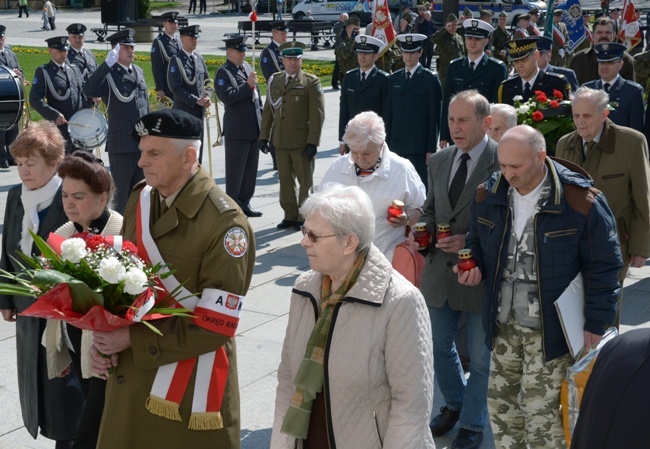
x: 236, y: 242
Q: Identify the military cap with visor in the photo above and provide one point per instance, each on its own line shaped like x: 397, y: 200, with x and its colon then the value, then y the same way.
x: 170, y: 16
x: 3, y: 30
x: 292, y: 49
x: 477, y: 28
x: 58, y: 43
x: 521, y: 48
x: 191, y: 30
x: 280, y: 25
x: 611, y: 51
x: 237, y: 42
x: 544, y: 43
x: 124, y: 37
x: 76, y: 28
x: 410, y: 43
x: 368, y: 44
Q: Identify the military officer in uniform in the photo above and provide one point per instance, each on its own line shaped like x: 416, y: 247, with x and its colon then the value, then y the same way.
x: 236, y: 87
x: 523, y: 22
x: 500, y: 36
x: 412, y: 107
x: 78, y: 55
x: 294, y: 113
x: 187, y: 75
x: 476, y: 71
x: 533, y: 30
x: 363, y: 88
x: 163, y: 48
x: 544, y: 45
x: 345, y: 54
x: 449, y: 46
x: 559, y: 51
x: 122, y: 86
x: 625, y: 96
x: 642, y: 68
x: 181, y: 218
x: 270, y: 59
x: 271, y: 62
x: 56, y: 89
x: 529, y: 79
x: 8, y: 58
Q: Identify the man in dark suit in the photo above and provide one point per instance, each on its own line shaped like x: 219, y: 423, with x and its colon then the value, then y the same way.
x: 584, y: 62
x: 236, y: 87
x: 163, y: 48
x: 412, y: 107
x: 123, y: 88
x: 625, y: 96
x: 529, y: 79
x: 78, y: 55
x: 56, y: 89
x: 476, y: 71
x: 454, y: 174
x: 544, y: 45
x: 8, y: 58
x: 363, y: 89
x: 186, y: 78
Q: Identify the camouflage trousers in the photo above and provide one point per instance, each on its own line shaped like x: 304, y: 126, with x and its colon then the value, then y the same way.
x: 524, y: 391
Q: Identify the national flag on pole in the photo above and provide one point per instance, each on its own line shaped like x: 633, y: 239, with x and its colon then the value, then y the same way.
x: 630, y: 32
x: 382, y: 26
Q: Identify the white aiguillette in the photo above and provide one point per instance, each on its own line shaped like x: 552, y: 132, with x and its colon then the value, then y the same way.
x: 570, y: 308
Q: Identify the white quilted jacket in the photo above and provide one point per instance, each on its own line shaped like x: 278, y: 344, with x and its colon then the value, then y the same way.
x: 378, y: 361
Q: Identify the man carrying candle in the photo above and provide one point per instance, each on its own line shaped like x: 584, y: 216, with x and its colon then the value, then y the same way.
x: 454, y: 174
x: 535, y: 226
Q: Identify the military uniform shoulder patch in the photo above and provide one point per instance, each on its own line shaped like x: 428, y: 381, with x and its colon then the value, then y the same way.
x: 220, y: 82
x: 236, y: 242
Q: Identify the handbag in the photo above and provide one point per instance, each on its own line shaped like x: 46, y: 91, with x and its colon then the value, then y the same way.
x: 573, y: 385
x: 409, y: 263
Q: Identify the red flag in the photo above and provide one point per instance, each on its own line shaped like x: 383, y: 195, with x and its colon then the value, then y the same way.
x: 382, y: 26
x: 253, y: 16
x: 630, y: 32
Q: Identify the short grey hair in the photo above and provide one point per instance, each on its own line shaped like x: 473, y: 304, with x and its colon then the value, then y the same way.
x: 348, y: 209
x: 529, y: 135
x: 600, y: 97
x: 506, y: 111
x: 180, y: 144
x: 363, y: 128
x: 478, y: 101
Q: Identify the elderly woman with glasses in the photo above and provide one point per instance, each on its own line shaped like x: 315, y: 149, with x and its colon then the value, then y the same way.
x: 356, y: 368
x: 383, y: 175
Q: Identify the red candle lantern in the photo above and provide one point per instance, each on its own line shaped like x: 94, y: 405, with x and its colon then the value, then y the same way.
x: 395, y: 209
x: 421, y: 234
x: 444, y: 230
x: 465, y: 260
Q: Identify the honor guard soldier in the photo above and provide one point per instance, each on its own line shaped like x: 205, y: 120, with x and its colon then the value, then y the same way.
x: 8, y: 58
x: 560, y: 48
x: 56, y: 89
x: 412, y: 107
x: 123, y: 88
x: 523, y: 22
x: 271, y: 62
x: 544, y: 45
x: 236, y: 86
x: 294, y: 113
x: 270, y: 59
x: 476, y: 71
x: 163, y: 48
x: 363, y: 88
x: 529, y: 79
x: 625, y: 96
x: 449, y: 46
x: 500, y: 36
x: 78, y: 55
x: 187, y: 75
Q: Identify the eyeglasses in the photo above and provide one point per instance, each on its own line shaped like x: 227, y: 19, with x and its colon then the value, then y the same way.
x: 313, y: 237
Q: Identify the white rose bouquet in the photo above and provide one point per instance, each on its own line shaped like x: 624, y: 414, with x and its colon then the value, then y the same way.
x: 92, y: 282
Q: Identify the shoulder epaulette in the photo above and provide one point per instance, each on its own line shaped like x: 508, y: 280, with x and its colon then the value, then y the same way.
x: 221, y: 200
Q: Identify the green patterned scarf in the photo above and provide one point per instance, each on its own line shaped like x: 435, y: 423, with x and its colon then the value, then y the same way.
x: 309, y: 380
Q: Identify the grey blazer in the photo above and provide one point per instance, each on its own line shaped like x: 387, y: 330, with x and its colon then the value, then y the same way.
x: 439, y: 283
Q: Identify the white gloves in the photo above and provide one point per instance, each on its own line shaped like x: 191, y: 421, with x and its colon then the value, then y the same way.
x: 111, y: 56
x: 561, y: 52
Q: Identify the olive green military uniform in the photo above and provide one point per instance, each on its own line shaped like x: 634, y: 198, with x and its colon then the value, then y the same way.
x: 499, y: 39
x: 346, y: 56
x: 448, y: 47
x: 295, y: 111
x: 195, y: 237
x: 391, y: 60
x: 642, y: 68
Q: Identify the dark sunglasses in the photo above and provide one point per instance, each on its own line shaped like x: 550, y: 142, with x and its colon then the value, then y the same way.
x: 313, y: 237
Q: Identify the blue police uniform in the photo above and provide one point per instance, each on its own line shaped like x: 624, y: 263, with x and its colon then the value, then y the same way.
x: 358, y: 96
x: 271, y: 60
x: 163, y: 48
x: 569, y: 74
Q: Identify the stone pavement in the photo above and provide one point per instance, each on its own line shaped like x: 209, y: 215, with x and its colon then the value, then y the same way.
x: 280, y: 259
